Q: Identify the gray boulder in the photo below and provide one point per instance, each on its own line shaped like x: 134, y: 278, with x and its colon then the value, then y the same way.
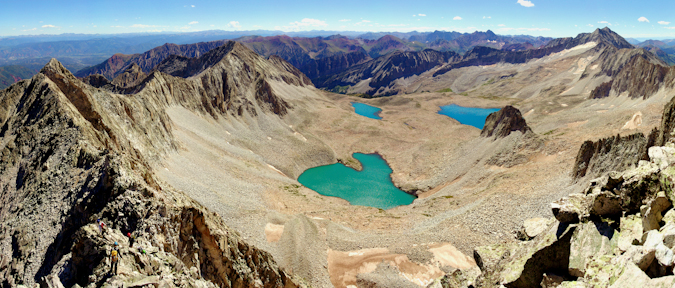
x: 590, y: 239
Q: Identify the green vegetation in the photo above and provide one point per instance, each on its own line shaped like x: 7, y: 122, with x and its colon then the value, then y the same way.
x: 448, y: 197
x: 550, y: 132
x: 293, y: 189
x: 339, y: 89
x: 464, y: 94
x: 445, y: 90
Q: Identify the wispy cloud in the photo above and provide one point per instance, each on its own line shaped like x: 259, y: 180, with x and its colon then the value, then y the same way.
x: 643, y: 19
x: 531, y: 29
x: 422, y: 15
x: 142, y: 26
x: 48, y: 26
x: 487, y: 17
x: 501, y: 25
x: 345, y: 20
x: 457, y: 18
x: 193, y: 23
x: 605, y: 22
x: 234, y: 24
x: 663, y: 22
x: 525, y: 3
x: 193, y: 6
x: 590, y: 25
x: 673, y: 27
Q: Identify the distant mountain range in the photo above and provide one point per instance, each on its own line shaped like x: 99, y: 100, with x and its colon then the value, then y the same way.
x: 321, y: 57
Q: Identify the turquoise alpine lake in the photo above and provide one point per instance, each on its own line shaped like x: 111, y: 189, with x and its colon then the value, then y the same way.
x: 467, y: 115
x: 367, y: 110
x: 371, y: 186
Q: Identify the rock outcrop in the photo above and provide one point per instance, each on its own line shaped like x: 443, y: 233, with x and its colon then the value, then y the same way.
x: 609, y: 154
x: 72, y: 153
x: 501, y: 123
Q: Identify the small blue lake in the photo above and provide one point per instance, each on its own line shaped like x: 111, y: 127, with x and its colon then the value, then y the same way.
x: 370, y: 187
x: 467, y: 115
x: 367, y: 110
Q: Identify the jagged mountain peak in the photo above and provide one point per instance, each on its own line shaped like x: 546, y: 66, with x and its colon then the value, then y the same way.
x: 607, y: 36
x: 55, y: 67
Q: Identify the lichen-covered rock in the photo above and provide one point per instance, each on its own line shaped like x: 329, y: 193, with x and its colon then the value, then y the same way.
x: 605, y: 204
x: 662, y: 156
x: 668, y: 232
x: 549, y: 251
x: 651, y: 213
x: 631, y: 232
x: 570, y: 208
x: 551, y: 280
x: 460, y: 278
x: 487, y: 256
x: 535, y: 226
x: 640, y: 256
x: 664, y: 255
x: 590, y: 239
x: 669, y: 217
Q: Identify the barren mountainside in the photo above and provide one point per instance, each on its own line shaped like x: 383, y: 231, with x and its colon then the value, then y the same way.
x: 73, y: 153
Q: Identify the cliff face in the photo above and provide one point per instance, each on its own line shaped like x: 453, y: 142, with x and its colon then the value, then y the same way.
x: 385, y: 69
x: 615, y: 153
x: 72, y: 153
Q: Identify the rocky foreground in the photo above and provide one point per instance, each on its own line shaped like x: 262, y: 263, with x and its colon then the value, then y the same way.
x: 618, y: 232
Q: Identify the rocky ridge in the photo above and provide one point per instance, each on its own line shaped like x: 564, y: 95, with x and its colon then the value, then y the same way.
x: 72, y: 153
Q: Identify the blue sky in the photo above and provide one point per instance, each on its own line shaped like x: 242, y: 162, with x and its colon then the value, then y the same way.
x: 638, y: 19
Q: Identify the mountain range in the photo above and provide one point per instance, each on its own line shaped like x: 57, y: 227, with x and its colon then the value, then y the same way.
x: 194, y: 150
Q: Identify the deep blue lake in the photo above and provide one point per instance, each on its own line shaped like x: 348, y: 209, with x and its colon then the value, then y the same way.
x: 467, y: 115
x: 370, y: 187
x: 367, y: 110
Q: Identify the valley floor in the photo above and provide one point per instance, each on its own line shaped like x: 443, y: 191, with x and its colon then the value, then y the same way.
x: 472, y: 190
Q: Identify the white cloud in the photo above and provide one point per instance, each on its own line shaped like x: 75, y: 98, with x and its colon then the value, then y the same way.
x: 212, y: 25
x: 304, y: 23
x: 48, y: 26
x: 118, y: 26
x: 525, y: 3
x: 234, y: 24
x: 643, y: 19
x: 457, y: 18
x: 605, y: 22
x: 590, y: 25
x: 663, y: 22
x: 670, y: 27
x: 345, y: 20
x: 524, y: 29
x: 422, y: 15
x: 487, y: 17
x: 501, y: 25
x: 193, y: 6
x: 142, y: 26
x: 193, y: 23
